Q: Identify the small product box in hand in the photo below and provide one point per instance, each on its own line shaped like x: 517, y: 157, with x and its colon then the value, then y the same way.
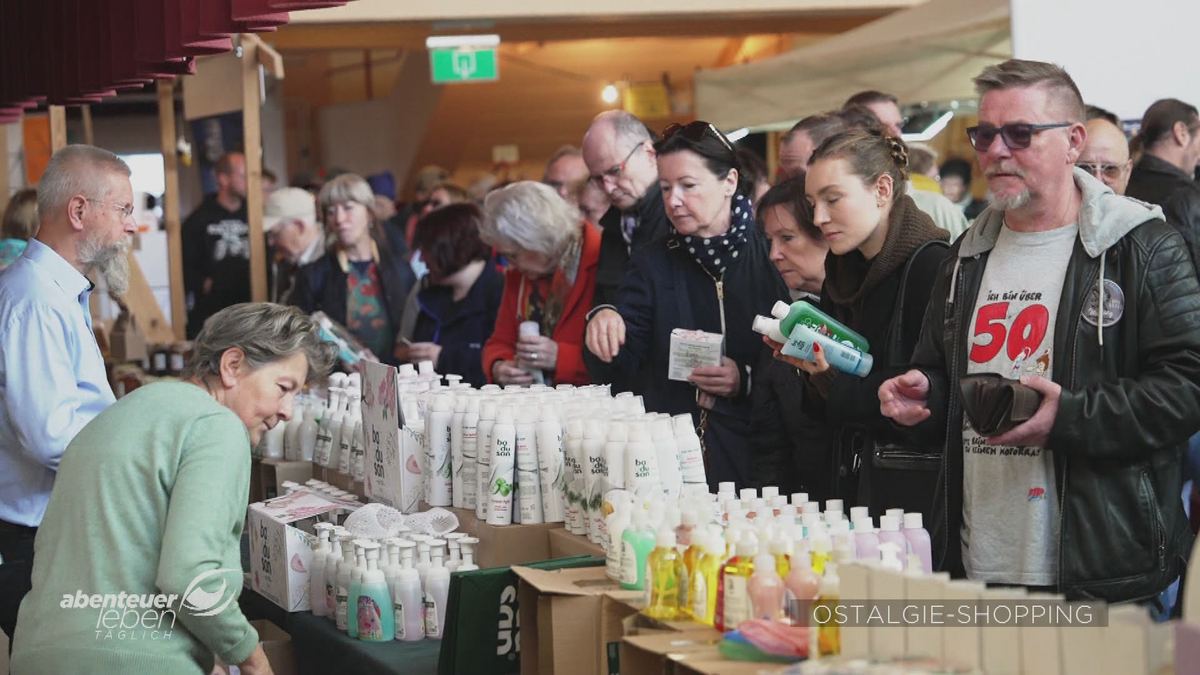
x: 692, y: 349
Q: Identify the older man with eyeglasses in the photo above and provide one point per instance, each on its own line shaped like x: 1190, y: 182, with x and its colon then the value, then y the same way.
x: 619, y: 152
x: 52, y: 375
x: 1091, y: 301
x: 1105, y: 154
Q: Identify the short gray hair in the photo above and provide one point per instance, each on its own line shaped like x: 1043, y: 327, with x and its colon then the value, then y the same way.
x: 625, y: 126
x: 265, y: 332
x: 348, y: 187
x: 564, y: 151
x: 77, y: 170
x: 532, y: 217
x: 1019, y: 73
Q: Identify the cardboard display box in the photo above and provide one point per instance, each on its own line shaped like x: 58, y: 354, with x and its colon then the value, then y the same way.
x: 502, y: 545
x: 276, y: 644
x: 571, y: 625
x: 280, y: 549
x: 563, y: 544
x: 710, y: 662
x: 660, y: 653
x: 274, y: 472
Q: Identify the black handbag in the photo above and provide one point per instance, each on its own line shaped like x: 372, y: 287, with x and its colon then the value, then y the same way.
x: 880, y: 470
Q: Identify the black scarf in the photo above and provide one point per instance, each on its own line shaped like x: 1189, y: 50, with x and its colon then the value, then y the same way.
x: 714, y: 254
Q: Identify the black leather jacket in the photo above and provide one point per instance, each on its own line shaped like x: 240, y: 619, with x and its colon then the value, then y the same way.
x: 1130, y: 398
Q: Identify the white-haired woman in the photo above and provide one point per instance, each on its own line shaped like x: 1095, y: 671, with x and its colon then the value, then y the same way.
x: 552, y: 256
x: 357, y: 282
x: 148, y: 506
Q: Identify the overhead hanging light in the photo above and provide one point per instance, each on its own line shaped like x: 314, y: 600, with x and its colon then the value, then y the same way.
x: 609, y: 94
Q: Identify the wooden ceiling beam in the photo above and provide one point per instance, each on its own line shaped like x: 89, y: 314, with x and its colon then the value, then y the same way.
x: 412, y: 35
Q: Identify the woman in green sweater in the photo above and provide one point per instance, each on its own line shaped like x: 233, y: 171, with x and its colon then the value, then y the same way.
x: 136, y: 564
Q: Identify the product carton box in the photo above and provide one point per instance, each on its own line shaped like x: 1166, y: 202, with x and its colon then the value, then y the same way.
x: 276, y: 644
x: 1083, y: 649
x: 127, y: 341
x: 1000, y: 646
x: 887, y: 641
x: 658, y: 654
x: 692, y: 349
x: 563, y: 544
x: 856, y: 586
x: 501, y: 545
x: 392, y: 467
x: 274, y: 472
x: 1041, y: 653
x: 925, y: 590
x: 571, y: 626
x: 281, y: 551
x: 710, y: 662
x: 961, y: 644
x: 1137, y: 645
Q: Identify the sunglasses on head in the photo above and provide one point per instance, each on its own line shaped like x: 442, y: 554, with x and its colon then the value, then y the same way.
x: 694, y: 131
x: 1016, y: 136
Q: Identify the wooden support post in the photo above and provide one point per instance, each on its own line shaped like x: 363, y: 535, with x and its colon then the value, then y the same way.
x: 88, y: 136
x: 252, y: 141
x: 58, y: 128
x: 5, y: 187
x: 166, y: 129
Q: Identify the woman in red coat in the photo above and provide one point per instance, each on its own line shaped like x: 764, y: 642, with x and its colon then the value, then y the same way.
x: 552, y: 255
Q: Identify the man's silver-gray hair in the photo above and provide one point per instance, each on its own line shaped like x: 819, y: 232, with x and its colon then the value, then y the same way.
x: 77, y: 170
x: 530, y: 216
x: 265, y: 332
x: 625, y: 126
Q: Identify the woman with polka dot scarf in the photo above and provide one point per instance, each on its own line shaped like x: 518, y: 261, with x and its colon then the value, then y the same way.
x: 710, y: 273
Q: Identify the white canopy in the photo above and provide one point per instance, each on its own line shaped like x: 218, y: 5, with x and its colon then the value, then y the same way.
x: 926, y: 53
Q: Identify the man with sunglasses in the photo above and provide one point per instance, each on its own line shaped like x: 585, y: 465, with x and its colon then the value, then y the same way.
x: 52, y: 376
x: 1091, y: 300
x: 1105, y: 155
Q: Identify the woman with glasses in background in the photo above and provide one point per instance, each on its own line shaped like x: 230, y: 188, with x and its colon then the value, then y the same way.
x: 357, y: 282
x: 711, y: 273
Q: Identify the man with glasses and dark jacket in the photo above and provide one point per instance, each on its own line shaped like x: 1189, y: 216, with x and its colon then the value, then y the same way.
x: 1091, y: 300
x: 619, y: 152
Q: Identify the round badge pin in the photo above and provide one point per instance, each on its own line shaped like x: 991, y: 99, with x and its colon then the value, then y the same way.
x: 1114, y: 304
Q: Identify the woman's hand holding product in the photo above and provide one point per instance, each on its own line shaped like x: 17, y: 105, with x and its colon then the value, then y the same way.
x: 537, y: 352
x: 723, y: 380
x: 606, y: 334
x: 820, y: 365
x: 508, y: 372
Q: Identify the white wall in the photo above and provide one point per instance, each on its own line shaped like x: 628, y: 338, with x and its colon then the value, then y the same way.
x: 1123, y: 55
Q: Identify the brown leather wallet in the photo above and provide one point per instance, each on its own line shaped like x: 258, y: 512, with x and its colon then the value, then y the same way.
x: 995, y: 404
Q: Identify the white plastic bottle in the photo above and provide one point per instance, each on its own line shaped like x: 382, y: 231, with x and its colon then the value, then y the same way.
x: 423, y: 561
x: 291, y: 435
x: 273, y: 442
x: 552, y: 476
x: 890, y: 557
x: 468, y: 553
x: 345, y: 433
x: 375, y: 608
x: 483, y: 468
x: 438, y: 483
x: 408, y: 603
x: 691, y: 456
x: 617, y: 524
x: 307, y: 436
x: 358, y: 452
x: 529, y: 488
x: 918, y: 541
x: 662, y: 432
x: 391, y: 567
x: 316, y: 573
x: 503, y: 467
x: 333, y: 560
x: 456, y: 452
x: 437, y: 591
x: 596, y: 472
x: 344, y: 572
x: 866, y: 541
x: 324, y: 449
x: 641, y: 462
x: 467, y: 473
x: 532, y: 329
x: 576, y: 464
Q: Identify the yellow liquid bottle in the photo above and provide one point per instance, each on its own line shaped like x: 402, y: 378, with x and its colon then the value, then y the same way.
x: 829, y: 640
x: 737, y: 579
x: 704, y: 580
x: 821, y: 553
x: 666, y: 577
x: 783, y: 565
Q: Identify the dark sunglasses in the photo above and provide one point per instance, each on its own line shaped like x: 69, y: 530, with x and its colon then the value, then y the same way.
x: 1105, y: 171
x: 1016, y: 136
x: 694, y: 131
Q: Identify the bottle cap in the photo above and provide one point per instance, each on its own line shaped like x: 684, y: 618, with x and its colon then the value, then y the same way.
x: 810, y: 520
x: 763, y: 325
x: 778, y: 502
x: 898, y: 513
x: 770, y: 492
x: 728, y: 486
x: 504, y: 414
x: 747, y: 546
x: 839, y: 527
x: 748, y: 494
x: 889, y: 524
x: 913, y: 521
x: 661, y: 429
x: 799, y: 498
x: 834, y: 505
x: 858, y: 513
x: 684, y: 426
x: 864, y: 525
x: 407, y: 371
x: 764, y: 565
x: 425, y: 368
x: 689, y: 518
x: 780, y: 309
x: 812, y: 507
x: 666, y: 538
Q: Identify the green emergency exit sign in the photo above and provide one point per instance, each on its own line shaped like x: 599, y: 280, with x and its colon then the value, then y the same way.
x: 466, y: 58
